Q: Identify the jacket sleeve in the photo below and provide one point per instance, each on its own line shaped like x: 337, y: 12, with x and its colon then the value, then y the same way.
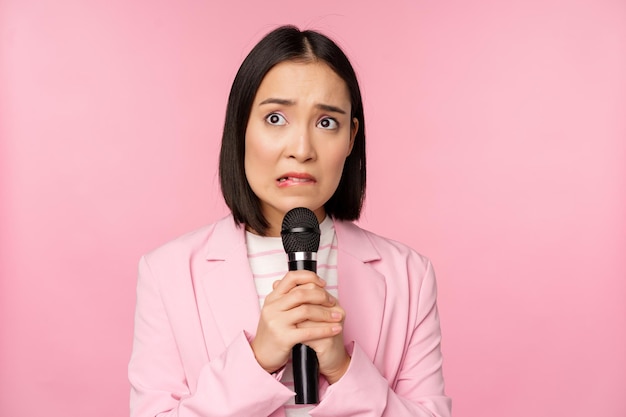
x: 418, y: 390
x: 232, y: 384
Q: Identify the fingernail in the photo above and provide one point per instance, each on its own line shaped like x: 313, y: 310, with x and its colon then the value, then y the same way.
x: 335, y: 315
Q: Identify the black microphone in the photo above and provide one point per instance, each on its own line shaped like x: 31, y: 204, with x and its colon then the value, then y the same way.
x: 301, y: 240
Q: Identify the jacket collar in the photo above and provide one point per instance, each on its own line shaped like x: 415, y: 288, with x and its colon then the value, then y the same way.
x: 227, y: 296
x: 354, y: 241
x: 362, y: 289
x: 231, y: 238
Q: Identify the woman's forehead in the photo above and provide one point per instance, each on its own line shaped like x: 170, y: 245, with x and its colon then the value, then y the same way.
x: 314, y: 80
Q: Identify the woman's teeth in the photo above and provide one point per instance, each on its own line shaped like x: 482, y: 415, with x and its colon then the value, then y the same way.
x: 293, y: 179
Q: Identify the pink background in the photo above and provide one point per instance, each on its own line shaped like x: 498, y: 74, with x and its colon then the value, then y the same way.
x: 497, y: 147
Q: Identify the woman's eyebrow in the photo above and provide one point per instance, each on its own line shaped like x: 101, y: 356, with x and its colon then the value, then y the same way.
x: 287, y: 102
x: 282, y: 101
x: 330, y: 108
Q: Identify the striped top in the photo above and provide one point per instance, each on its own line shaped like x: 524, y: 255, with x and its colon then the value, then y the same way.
x: 268, y: 262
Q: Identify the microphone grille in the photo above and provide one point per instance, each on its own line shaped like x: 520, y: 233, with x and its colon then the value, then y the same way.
x: 300, y: 231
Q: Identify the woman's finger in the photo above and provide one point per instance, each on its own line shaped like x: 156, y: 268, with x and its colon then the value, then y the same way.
x: 299, y: 296
x: 295, y: 278
x: 322, y: 331
x: 314, y: 314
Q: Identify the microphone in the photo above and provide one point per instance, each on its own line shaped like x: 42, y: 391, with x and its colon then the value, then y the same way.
x: 301, y: 239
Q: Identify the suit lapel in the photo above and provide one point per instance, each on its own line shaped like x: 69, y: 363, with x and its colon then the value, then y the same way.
x: 227, y: 286
x: 362, y: 289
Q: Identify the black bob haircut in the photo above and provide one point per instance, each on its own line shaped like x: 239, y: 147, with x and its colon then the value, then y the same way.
x: 287, y: 43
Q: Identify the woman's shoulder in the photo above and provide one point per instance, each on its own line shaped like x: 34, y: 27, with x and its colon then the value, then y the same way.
x: 375, y: 245
x: 197, y: 241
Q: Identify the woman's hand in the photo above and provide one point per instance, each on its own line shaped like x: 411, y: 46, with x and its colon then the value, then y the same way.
x: 331, y: 353
x: 298, y: 310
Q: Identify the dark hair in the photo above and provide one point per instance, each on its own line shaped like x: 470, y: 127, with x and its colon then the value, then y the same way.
x: 287, y: 43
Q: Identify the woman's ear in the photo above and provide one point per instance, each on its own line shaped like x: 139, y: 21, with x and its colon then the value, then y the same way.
x: 353, y: 130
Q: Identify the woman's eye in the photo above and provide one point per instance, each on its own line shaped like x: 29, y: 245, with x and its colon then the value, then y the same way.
x: 275, y: 119
x: 328, y: 123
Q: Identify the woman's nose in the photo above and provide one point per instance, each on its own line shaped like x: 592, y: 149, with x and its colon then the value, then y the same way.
x: 301, y: 146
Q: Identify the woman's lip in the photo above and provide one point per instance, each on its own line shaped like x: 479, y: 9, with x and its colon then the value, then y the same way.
x: 298, y: 175
x: 295, y: 178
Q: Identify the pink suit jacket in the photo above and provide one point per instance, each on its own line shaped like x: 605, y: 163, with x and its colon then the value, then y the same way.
x: 197, y: 308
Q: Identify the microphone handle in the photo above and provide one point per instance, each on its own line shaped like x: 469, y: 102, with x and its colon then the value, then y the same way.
x: 303, y: 358
x: 305, y: 374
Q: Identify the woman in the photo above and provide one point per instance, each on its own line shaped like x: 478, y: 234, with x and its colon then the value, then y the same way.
x: 218, y: 313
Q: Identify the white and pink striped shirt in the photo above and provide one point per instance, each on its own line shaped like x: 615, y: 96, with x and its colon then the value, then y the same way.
x: 268, y: 262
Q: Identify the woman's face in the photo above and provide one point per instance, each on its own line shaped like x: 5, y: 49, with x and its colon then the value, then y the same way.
x: 298, y: 137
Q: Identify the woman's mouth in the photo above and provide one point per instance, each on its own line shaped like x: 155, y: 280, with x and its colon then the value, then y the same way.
x: 293, y: 179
